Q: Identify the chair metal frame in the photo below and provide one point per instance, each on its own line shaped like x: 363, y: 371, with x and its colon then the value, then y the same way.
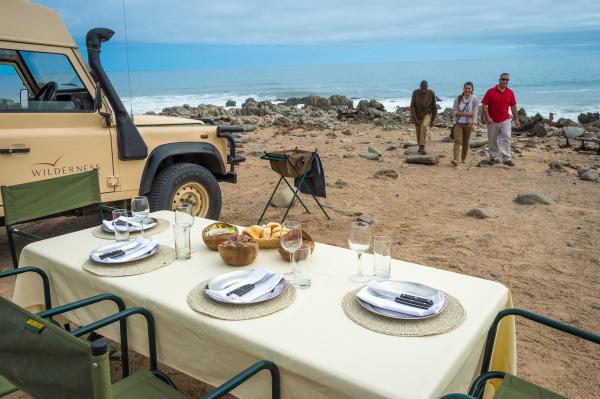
x: 269, y: 156
x: 478, y: 386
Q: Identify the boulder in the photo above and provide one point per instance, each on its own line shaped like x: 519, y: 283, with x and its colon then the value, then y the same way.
x: 230, y: 103
x: 538, y: 130
x: 531, y: 199
x: 476, y: 143
x: 373, y: 151
x: 483, y: 213
x: 588, y: 118
x: 573, y: 131
x: 386, y: 173
x: 424, y: 159
x: 368, y: 155
x: 590, y: 175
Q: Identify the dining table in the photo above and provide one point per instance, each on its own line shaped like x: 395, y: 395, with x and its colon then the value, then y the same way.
x: 319, y: 351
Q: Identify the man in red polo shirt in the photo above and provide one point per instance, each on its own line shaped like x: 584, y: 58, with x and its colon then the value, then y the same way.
x: 496, y: 102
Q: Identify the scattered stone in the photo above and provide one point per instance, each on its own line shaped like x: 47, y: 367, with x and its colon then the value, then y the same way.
x: 390, y: 147
x: 339, y: 183
x: 495, y: 274
x: 589, y: 117
x: 484, y: 162
x: 368, y: 155
x: 349, y: 155
x: 283, y: 197
x: 411, y: 150
x: 386, y: 173
x: 347, y: 132
x: 410, y: 143
x: 538, y: 130
x: 410, y: 129
x: 558, y: 166
x: 366, y: 218
x: 426, y: 159
x: 346, y: 141
x: 573, y: 131
x: 373, y: 151
x: 531, y: 143
x: 531, y: 199
x: 476, y: 143
x: 483, y: 213
x: 257, y: 150
x: 582, y: 171
x: 447, y: 139
x: 230, y: 103
x: 249, y: 128
x: 590, y: 175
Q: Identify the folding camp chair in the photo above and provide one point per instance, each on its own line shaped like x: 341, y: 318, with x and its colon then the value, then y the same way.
x: 513, y: 387
x: 294, y: 164
x: 30, y: 201
x: 46, y: 361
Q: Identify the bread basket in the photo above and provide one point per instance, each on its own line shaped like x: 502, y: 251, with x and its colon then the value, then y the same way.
x: 213, y: 241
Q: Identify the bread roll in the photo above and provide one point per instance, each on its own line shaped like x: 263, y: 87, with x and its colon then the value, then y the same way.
x: 266, y: 233
x: 275, y: 229
x: 254, y: 231
x: 276, y: 234
x: 273, y: 224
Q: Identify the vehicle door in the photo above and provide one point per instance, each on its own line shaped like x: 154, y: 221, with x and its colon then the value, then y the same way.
x: 48, y: 124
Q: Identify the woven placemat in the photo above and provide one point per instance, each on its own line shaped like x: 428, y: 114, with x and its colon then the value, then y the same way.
x: 202, y: 303
x: 162, y: 225
x: 164, y: 257
x: 452, y: 317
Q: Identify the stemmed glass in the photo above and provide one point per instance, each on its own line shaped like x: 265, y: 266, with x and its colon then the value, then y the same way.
x: 140, y: 209
x: 291, y: 241
x: 359, y: 240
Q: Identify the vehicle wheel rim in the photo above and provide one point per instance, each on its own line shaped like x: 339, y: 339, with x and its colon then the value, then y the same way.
x: 195, y: 194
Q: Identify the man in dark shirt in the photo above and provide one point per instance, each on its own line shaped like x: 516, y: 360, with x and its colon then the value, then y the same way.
x: 423, y: 110
x: 496, y: 103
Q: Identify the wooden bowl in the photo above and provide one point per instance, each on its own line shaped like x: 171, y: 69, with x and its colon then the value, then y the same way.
x: 213, y: 241
x: 240, y: 255
x: 306, y: 239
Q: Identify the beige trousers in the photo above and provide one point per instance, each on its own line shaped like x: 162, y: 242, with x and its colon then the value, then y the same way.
x: 421, y: 129
x: 499, y: 138
x: 462, y: 134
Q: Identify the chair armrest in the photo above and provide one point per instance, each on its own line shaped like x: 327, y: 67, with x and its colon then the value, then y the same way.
x: 42, y: 274
x: 104, y: 208
x: 491, y: 337
x: 90, y: 301
x: 457, y: 396
x: 122, y: 315
x: 242, y: 377
x: 24, y: 234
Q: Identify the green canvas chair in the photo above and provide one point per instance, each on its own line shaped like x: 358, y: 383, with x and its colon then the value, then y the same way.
x: 47, y: 361
x: 513, y: 387
x: 30, y: 201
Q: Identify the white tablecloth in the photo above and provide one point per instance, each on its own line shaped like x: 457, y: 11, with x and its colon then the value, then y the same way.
x: 320, y: 352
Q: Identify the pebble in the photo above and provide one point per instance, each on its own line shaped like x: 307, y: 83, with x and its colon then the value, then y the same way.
x: 347, y: 132
x: 349, y: 155
x: 386, y: 173
x: 368, y: 155
x: 373, y: 150
x: 427, y: 159
x: 282, y: 198
x: 496, y: 274
x: 390, y: 147
x: 339, y: 183
x: 410, y: 143
x: 590, y: 175
x: 476, y: 143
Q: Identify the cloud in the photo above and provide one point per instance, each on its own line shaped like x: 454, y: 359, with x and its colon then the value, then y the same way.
x: 324, y: 21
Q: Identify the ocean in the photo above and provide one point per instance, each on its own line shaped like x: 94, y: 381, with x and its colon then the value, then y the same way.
x: 565, y: 84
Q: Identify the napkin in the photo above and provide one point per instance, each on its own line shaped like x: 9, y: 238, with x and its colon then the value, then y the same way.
x: 133, y: 226
x: 438, y: 299
x: 258, y: 291
x: 134, y: 249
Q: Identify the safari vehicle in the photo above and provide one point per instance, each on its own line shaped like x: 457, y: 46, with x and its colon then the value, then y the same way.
x: 59, y: 116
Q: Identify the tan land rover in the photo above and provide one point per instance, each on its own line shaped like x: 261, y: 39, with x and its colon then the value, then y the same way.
x: 59, y: 116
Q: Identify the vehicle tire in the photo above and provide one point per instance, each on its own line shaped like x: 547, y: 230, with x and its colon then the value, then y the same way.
x: 186, y: 182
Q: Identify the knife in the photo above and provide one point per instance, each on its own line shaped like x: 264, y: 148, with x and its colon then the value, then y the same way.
x: 249, y: 287
x: 405, y: 296
x: 399, y: 299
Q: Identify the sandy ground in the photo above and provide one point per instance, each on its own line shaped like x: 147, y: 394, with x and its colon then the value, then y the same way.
x: 547, y: 255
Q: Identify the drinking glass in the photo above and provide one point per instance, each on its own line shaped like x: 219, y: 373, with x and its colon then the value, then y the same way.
x: 359, y: 240
x: 140, y: 209
x: 382, y: 257
x: 183, y: 249
x: 120, y: 224
x: 302, y: 266
x: 291, y: 241
x: 183, y: 215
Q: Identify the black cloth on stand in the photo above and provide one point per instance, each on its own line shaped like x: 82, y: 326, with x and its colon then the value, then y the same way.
x: 314, y: 183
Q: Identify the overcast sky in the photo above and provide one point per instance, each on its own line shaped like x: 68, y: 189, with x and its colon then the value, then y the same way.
x: 325, y: 21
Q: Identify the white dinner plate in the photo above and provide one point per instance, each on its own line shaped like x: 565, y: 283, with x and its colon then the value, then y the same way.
x: 148, y: 224
x: 229, y: 279
x: 117, y: 246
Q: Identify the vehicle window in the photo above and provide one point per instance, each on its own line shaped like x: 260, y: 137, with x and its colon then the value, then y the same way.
x: 48, y: 67
x: 10, y: 87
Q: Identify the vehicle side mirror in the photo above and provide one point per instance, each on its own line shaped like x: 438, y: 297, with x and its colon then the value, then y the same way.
x: 24, y: 98
x: 98, y: 97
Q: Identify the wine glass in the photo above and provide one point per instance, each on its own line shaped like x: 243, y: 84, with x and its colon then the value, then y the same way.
x: 140, y: 209
x: 359, y: 240
x: 291, y: 241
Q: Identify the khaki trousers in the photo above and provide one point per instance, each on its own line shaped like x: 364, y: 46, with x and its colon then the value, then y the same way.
x: 421, y: 129
x: 499, y: 138
x: 462, y: 134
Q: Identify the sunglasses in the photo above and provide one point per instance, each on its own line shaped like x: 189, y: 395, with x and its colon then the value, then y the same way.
x: 504, y: 79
